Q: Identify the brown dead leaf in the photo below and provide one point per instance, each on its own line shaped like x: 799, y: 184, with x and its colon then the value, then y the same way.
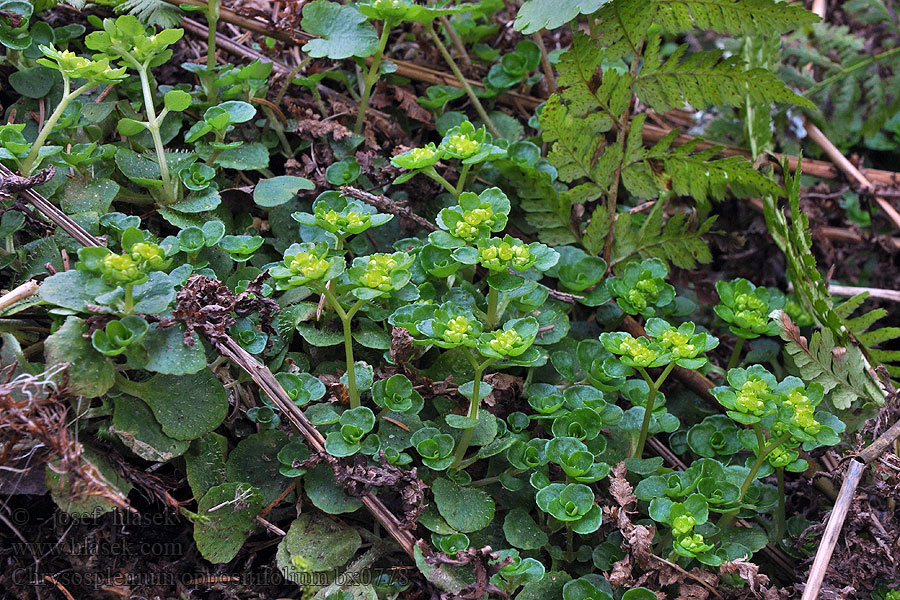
x: 619, y: 487
x: 335, y: 388
x: 310, y: 125
x: 690, y: 591
x: 747, y: 571
x: 409, y: 105
x: 401, y: 346
x: 506, y: 388
x: 620, y: 575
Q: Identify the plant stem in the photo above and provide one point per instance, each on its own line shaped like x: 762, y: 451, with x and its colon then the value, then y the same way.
x: 31, y: 161
x: 570, y: 544
x: 289, y: 79
x: 620, y: 141
x: 346, y: 318
x: 479, y: 108
x: 648, y: 408
x: 461, y: 182
x: 372, y: 76
x: 129, y: 299
x: 153, y: 125
x: 735, y: 354
x: 212, y: 20
x: 854, y: 67
x: 493, y: 301
x: 432, y: 173
x: 764, y: 451
x: 549, y: 77
x: 466, y: 437
x: 457, y: 42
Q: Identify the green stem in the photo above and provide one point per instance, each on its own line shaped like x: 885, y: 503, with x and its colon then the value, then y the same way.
x: 430, y: 172
x: 764, y: 452
x: 212, y: 20
x: 493, y: 302
x: 31, y: 161
x: 346, y: 318
x: 474, y: 401
x: 855, y: 67
x: 461, y: 183
x: 129, y: 299
x: 479, y: 108
x: 289, y: 79
x: 735, y: 354
x: 648, y: 408
x: 570, y: 544
x: 456, y: 40
x: 372, y: 76
x: 153, y: 126
x: 780, y: 524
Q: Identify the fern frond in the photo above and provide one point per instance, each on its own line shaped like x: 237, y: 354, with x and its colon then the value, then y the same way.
x: 678, y: 241
x: 838, y: 354
x: 736, y: 17
x: 706, y: 78
x: 842, y: 370
x: 158, y: 13
x: 595, y: 233
x: 621, y: 26
x: 692, y: 172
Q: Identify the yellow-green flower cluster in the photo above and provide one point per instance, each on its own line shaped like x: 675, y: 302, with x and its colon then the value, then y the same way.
x: 467, y: 227
x: 678, y: 343
x: 638, y: 350
x: 498, y: 257
x: 74, y: 66
x: 695, y: 544
x: 149, y: 256
x: 644, y: 292
x: 462, y: 146
x: 345, y: 221
x: 803, y: 416
x: 683, y: 524
x: 458, y: 330
x: 304, y: 263
x: 121, y: 269
x: 308, y: 265
x: 378, y: 270
x: 753, y: 397
x: 505, y: 341
x: 782, y: 457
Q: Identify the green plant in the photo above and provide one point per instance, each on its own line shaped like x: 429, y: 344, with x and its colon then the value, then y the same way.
x: 465, y: 370
x: 463, y: 142
x: 746, y: 309
x: 126, y: 40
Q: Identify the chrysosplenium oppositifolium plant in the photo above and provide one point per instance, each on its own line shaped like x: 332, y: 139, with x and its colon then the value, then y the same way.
x: 517, y: 346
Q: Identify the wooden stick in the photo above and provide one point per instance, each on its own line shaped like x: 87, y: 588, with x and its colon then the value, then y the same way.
x: 54, y: 214
x: 847, y: 291
x: 850, y: 170
x: 838, y: 515
x: 29, y: 288
x: 389, y: 206
x: 833, y: 529
x: 263, y: 377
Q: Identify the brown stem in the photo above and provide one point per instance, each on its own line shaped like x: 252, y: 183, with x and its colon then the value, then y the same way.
x: 614, y: 185
x: 549, y: 77
x: 456, y: 41
x: 389, y: 206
